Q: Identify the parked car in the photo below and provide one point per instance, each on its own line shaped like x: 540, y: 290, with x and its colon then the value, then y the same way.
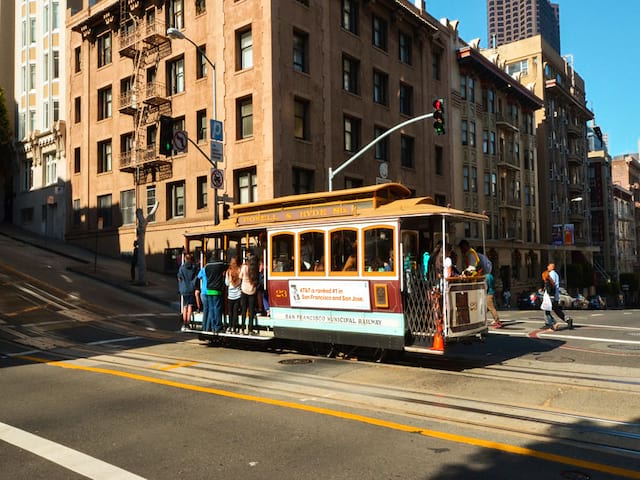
x: 596, y: 302
x: 530, y: 300
x: 580, y: 302
x: 565, y: 300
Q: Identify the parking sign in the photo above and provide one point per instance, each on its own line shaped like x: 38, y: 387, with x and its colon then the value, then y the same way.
x: 215, y: 127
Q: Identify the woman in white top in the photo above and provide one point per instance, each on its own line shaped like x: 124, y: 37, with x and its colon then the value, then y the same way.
x: 232, y: 281
x: 249, y: 276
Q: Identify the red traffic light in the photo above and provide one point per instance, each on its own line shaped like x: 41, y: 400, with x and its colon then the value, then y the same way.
x: 438, y: 116
x: 438, y: 104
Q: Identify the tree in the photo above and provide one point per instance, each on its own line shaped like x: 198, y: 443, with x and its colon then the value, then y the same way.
x: 6, y: 156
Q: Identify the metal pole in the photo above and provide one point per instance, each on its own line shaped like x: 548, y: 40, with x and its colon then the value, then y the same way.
x: 333, y: 173
x: 175, y: 33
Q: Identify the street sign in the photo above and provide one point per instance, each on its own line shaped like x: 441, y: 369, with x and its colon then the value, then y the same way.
x: 217, y: 178
x: 180, y: 140
x: 216, y: 151
x: 215, y: 127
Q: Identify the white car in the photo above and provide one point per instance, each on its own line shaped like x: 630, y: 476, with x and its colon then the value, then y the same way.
x: 565, y: 300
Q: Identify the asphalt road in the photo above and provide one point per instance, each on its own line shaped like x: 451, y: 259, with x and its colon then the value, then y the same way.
x: 96, y: 383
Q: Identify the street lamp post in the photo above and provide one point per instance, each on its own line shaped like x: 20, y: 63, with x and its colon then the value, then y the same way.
x: 175, y: 34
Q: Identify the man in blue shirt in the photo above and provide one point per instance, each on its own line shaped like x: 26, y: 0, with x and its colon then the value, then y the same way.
x: 555, y: 278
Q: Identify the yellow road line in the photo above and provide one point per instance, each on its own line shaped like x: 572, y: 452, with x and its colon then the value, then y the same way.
x: 504, y: 447
x: 177, y: 365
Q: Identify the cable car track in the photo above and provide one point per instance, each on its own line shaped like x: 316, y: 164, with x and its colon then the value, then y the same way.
x: 525, y: 422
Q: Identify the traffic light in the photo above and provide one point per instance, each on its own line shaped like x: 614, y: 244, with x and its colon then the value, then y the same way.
x: 166, y: 135
x: 225, y: 211
x: 438, y: 116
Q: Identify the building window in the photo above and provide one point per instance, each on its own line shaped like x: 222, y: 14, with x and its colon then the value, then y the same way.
x: 104, y: 210
x: 350, y: 74
x: 464, y: 136
x: 45, y: 67
x: 56, y: 64
x: 32, y: 30
x: 56, y: 110
x: 436, y: 61
x: 381, y: 146
x: 201, y: 125
x: 175, y: 199
x: 244, y: 39
x: 300, y: 51
x: 50, y: 164
x: 301, y: 112
x: 126, y: 148
x: 27, y: 175
x: 32, y: 76
x: 104, y: 50
x: 439, y: 160
x: 521, y: 66
x: 302, y: 181
x: 474, y: 179
x: 77, y: 109
x: 77, y: 213
x: 175, y: 76
x: 406, y: 99
x: 351, y: 134
x: 471, y: 85
x: 379, y: 33
x: 491, y: 101
x: 201, y: 61
x: 244, y: 114
x: 492, y: 143
x: 76, y: 160
x: 201, y: 7
x: 405, y: 48
x: 407, y: 148
x: 202, y: 189
x: 247, y: 185
x: 176, y: 14
x: 128, y: 207
x: 465, y: 179
x: 350, y: 16
x: 151, y: 203
x: 380, y: 87
x: 104, y: 103
x: 104, y: 156
x: 485, y: 141
x: 472, y: 134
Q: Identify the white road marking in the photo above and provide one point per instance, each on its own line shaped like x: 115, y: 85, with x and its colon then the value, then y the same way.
x: 66, y: 457
x: 114, y: 340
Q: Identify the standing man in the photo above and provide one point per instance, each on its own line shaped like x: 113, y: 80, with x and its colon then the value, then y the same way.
x: 212, y: 276
x: 470, y: 257
x: 555, y: 280
x: 134, y: 260
x: 187, y: 274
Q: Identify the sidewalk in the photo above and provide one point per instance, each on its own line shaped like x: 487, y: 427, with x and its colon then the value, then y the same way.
x: 159, y: 287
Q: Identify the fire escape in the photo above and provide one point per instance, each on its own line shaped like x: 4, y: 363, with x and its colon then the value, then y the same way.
x: 142, y: 38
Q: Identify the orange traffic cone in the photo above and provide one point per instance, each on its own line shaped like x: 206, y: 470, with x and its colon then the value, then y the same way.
x: 438, y: 342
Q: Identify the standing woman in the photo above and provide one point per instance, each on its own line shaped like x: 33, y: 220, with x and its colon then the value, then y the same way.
x: 249, y: 276
x: 234, y: 293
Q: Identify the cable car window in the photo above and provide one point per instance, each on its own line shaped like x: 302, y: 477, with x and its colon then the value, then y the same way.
x: 344, y: 251
x: 282, y: 253
x: 378, y: 250
x: 312, y: 256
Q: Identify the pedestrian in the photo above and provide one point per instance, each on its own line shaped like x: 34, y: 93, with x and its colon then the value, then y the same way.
x: 187, y: 276
x: 491, y: 307
x: 134, y: 260
x: 234, y: 292
x: 249, y: 275
x: 548, y: 288
x: 555, y: 297
x: 212, y: 282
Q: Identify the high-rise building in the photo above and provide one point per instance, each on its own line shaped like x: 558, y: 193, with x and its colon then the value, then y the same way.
x: 40, y: 94
x: 513, y: 20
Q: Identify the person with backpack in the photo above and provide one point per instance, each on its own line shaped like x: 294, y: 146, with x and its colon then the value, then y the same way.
x: 470, y: 257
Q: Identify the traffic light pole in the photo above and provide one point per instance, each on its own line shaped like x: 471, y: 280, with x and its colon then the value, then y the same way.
x: 333, y: 173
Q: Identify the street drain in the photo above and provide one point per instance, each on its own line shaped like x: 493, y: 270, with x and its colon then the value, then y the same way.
x: 633, y: 348
x: 555, y: 359
x: 295, y: 361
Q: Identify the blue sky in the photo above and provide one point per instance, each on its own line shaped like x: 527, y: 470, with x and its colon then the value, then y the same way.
x: 602, y: 38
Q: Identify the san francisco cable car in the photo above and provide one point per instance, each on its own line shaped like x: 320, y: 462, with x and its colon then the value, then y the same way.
x: 360, y: 267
